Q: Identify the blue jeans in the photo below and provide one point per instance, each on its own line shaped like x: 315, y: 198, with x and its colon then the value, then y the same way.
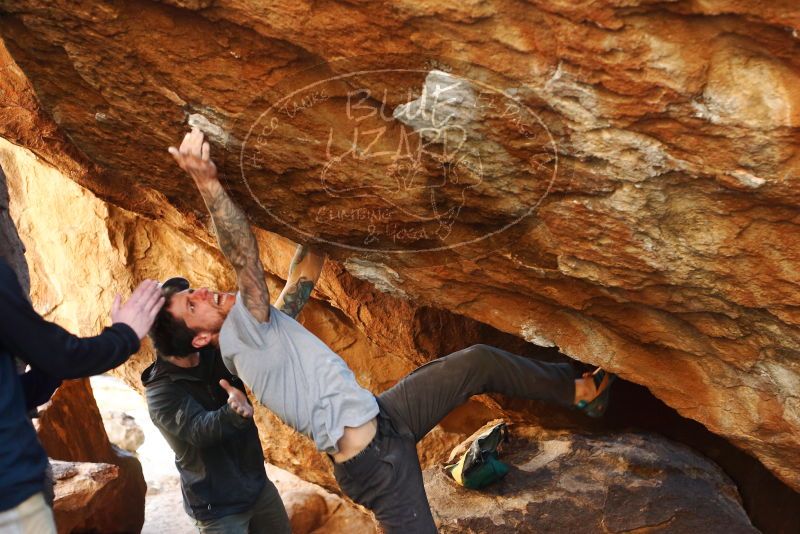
x: 267, y: 515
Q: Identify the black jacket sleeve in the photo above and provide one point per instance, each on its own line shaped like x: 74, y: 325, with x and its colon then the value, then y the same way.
x: 174, y: 411
x: 38, y: 387
x: 45, y: 345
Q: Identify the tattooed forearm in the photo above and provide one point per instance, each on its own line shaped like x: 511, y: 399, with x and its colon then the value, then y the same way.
x: 233, y: 229
x: 239, y: 245
x: 299, y: 255
x: 303, y: 274
x: 295, y: 297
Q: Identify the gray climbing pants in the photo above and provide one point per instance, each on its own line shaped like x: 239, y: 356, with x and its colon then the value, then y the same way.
x: 386, y: 476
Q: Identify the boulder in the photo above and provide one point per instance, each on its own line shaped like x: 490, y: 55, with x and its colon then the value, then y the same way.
x: 72, y: 291
x: 593, y: 483
x: 313, y: 510
x: 82, y: 491
x: 614, y: 178
x: 122, y: 430
x: 71, y: 429
x: 382, y: 337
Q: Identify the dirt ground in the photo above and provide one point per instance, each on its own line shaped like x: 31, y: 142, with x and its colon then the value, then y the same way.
x: 164, y: 512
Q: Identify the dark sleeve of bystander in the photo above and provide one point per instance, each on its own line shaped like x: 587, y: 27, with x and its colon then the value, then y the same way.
x: 174, y: 411
x: 38, y: 387
x: 47, y: 346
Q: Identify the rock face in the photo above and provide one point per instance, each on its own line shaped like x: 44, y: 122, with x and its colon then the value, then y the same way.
x: 580, y: 484
x: 88, y: 496
x: 313, y: 510
x: 617, y: 179
x: 101, y: 229
x: 105, y: 250
x: 71, y: 429
x: 122, y: 430
x: 81, y: 491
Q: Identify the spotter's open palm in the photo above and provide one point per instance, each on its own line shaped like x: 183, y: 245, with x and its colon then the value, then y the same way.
x: 237, y: 400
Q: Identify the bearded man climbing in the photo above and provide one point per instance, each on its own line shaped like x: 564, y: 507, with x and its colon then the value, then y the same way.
x: 371, y: 440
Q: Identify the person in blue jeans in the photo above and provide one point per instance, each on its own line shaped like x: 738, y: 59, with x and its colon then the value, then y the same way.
x: 53, y: 354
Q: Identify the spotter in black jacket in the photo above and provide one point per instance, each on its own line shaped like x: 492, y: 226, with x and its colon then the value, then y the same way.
x: 217, y: 452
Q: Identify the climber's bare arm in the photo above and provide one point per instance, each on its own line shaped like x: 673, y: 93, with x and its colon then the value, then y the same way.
x: 234, y: 234
x: 303, y: 274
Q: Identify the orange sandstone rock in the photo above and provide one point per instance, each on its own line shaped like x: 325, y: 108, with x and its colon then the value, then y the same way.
x: 645, y: 152
x: 71, y: 429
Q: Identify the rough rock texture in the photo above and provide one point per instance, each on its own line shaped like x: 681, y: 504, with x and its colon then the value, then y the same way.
x: 88, y: 496
x: 314, y: 510
x: 71, y: 429
x: 82, y: 250
x: 122, y: 430
x: 82, y: 490
x: 580, y: 484
x: 646, y: 152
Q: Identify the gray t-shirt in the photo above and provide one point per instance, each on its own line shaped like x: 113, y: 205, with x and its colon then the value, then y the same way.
x: 294, y: 374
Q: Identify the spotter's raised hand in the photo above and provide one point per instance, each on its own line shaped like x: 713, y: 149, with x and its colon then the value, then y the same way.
x: 237, y: 400
x: 140, y: 310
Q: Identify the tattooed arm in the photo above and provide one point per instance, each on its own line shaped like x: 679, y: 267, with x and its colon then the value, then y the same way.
x: 235, y: 237
x: 304, y: 272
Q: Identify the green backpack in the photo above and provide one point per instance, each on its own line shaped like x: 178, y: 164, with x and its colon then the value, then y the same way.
x: 480, y: 466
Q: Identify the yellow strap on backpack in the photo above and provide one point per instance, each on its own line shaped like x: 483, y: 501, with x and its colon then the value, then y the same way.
x: 457, y: 469
x: 479, y: 465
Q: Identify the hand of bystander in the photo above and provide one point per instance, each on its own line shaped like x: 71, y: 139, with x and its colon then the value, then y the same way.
x: 140, y: 310
x: 237, y: 400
